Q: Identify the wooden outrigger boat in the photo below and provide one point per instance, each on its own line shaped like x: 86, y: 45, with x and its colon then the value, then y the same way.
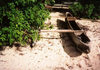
x: 79, y: 38
x: 75, y: 33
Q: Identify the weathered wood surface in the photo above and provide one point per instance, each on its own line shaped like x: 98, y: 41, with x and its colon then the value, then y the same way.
x: 81, y: 39
x: 62, y: 30
x: 71, y: 18
x: 58, y: 6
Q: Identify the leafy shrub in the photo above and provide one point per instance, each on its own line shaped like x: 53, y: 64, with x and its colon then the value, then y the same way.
x: 20, y: 20
x: 82, y: 11
x: 77, y: 9
x: 50, y: 2
x: 87, y: 9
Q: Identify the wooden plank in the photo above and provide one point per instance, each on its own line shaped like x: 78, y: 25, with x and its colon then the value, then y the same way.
x: 71, y: 18
x: 66, y: 31
x: 58, y: 6
x: 68, y: 3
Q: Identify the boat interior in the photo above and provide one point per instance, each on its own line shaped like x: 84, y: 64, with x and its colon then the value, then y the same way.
x: 82, y: 36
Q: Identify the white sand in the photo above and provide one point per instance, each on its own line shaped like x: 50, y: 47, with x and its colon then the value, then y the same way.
x: 55, y: 53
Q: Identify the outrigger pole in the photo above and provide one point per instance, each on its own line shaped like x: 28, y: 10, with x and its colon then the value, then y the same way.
x: 64, y: 31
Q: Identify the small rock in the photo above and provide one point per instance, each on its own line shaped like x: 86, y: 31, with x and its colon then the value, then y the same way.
x: 21, y: 54
x: 79, y: 65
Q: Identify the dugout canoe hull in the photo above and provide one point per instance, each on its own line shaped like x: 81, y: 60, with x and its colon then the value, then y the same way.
x: 79, y: 39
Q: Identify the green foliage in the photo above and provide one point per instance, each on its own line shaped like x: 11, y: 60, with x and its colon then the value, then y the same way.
x: 88, y: 9
x: 77, y: 8
x: 20, y: 21
x: 82, y: 11
x: 50, y: 2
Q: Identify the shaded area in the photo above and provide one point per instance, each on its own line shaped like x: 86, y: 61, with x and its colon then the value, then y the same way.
x: 80, y: 40
x: 74, y: 25
x: 68, y: 45
x: 82, y: 36
x: 1, y: 48
x: 59, y: 10
x: 17, y: 45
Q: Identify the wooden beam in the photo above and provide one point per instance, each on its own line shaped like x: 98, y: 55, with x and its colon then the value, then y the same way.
x: 71, y: 18
x: 59, y: 6
x: 66, y: 31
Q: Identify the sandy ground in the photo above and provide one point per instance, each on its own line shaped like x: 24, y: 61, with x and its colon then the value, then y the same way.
x: 54, y: 51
